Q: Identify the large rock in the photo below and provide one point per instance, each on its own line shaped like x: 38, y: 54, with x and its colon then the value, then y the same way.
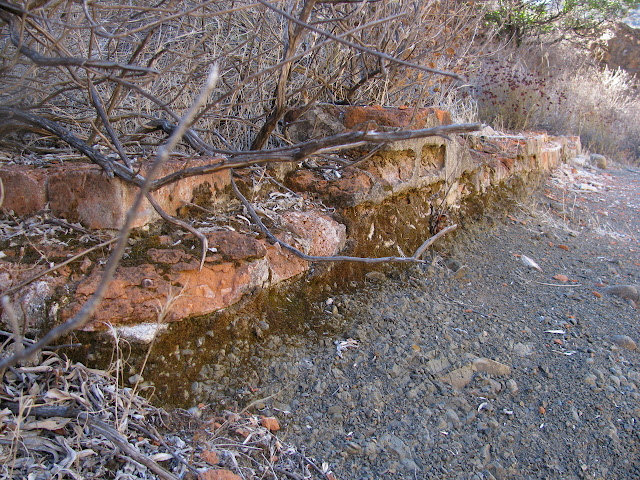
x: 623, y: 49
x: 24, y: 189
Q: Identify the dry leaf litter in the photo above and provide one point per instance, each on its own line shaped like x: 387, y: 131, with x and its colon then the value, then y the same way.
x: 60, y: 419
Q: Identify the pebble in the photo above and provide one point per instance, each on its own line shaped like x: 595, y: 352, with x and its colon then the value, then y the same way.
x: 590, y: 380
x: 491, y: 367
x: 460, y: 377
x: 624, y: 341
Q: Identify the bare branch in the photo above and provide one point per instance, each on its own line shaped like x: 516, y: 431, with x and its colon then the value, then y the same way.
x: 97, y: 103
x: 355, y: 46
x: 293, y: 41
x: 121, y: 443
x: 10, y: 113
x: 41, y: 60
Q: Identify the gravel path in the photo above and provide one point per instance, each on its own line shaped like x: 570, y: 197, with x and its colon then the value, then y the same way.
x: 477, y: 366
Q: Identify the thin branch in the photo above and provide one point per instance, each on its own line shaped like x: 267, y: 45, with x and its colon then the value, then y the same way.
x: 97, y: 103
x: 65, y: 135
x: 161, y: 158
x: 190, y: 136
x: 336, y: 258
x: 301, y: 151
x: 26, y: 282
x: 43, y: 61
x: 204, y: 243
x: 316, y: 47
x: 360, y: 48
x: 293, y: 41
x: 121, y: 442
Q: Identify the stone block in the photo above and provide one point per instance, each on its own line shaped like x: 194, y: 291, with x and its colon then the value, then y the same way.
x: 320, y: 234
x: 25, y: 190
x: 325, y: 120
x: 284, y: 264
x: 137, y: 293
x: 241, y: 264
x: 83, y: 193
x: 394, y: 117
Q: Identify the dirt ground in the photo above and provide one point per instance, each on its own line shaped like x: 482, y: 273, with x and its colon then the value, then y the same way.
x: 511, y: 355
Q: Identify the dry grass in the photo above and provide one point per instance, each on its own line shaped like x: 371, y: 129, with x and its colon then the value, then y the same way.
x: 563, y: 90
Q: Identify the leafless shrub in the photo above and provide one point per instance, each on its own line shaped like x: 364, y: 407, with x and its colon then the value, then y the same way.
x: 66, y: 59
x: 112, y: 80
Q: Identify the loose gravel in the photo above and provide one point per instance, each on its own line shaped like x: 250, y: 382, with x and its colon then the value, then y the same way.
x: 474, y: 366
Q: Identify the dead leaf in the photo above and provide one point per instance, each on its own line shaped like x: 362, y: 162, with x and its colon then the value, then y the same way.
x: 161, y: 457
x: 53, y: 423
x: 530, y: 263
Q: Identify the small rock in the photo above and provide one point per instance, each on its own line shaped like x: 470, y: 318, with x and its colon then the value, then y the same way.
x: 353, y: 448
x: 599, y: 161
x: 575, y: 414
x: 512, y: 386
x: 523, y: 349
x: 396, y: 445
x: 485, y: 453
x: 219, y: 475
x: 376, y: 276
x: 452, y: 417
x: 195, y: 411
x: 210, y: 456
x: 491, y: 367
x: 371, y: 449
x: 270, y: 423
x: 627, y: 292
x: 624, y: 341
x: 460, y: 377
x: 590, y: 380
x: 334, y: 410
x: 497, y: 470
x: 461, y: 272
x: 438, y: 365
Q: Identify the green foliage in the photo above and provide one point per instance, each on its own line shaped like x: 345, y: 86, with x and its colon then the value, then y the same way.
x: 518, y: 20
